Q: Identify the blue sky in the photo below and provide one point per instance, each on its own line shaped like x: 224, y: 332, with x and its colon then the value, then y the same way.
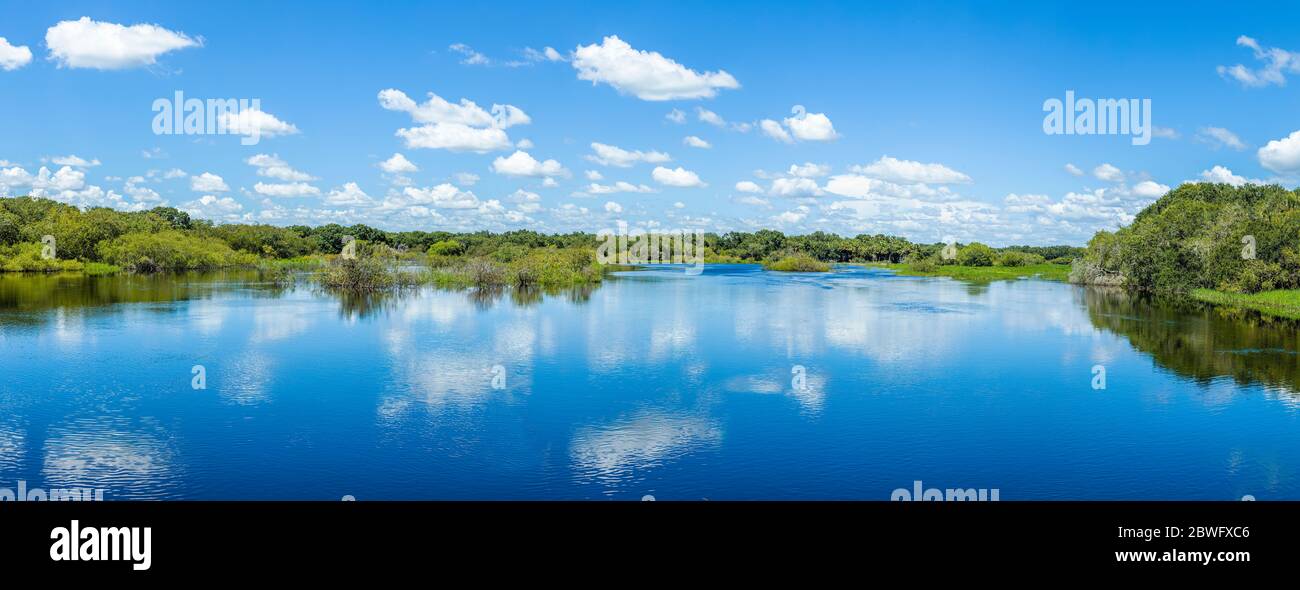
x: 924, y: 121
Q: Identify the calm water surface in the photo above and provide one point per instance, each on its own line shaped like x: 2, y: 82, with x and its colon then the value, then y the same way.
x: 653, y: 383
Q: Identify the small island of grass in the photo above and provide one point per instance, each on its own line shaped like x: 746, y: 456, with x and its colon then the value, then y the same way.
x: 797, y: 263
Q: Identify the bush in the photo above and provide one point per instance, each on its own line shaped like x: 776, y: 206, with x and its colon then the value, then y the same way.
x: 923, y: 264
x: 797, y: 263
x: 170, y: 250
x: 1015, y: 258
x: 26, y: 257
x: 975, y: 254
x: 357, y: 274
x: 446, y: 248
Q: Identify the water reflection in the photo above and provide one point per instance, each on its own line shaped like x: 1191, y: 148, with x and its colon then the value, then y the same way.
x: 1201, y: 342
x: 653, y: 382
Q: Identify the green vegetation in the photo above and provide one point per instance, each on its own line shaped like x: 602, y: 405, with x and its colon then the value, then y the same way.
x: 1216, y: 243
x: 1281, y: 303
x: 102, y: 240
x: 981, y: 274
x: 797, y: 263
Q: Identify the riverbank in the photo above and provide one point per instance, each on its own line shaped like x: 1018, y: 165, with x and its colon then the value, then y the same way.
x: 1045, y: 271
x: 1281, y: 303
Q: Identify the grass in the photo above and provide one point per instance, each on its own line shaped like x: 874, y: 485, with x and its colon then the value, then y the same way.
x: 797, y: 263
x: 1283, y: 303
x: 1045, y: 271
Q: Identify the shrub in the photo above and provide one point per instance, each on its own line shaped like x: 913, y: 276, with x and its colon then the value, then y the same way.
x: 26, y: 257
x: 170, y: 250
x: 1015, y: 258
x: 446, y: 248
x: 923, y: 264
x: 797, y: 263
x: 357, y: 274
x: 975, y: 254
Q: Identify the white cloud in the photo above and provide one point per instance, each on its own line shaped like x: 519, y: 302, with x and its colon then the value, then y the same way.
x: 466, y: 178
x: 909, y: 171
x: 679, y: 177
x: 676, y: 116
x: 1108, y: 173
x: 1224, y: 175
x: 398, y: 164
x: 350, y: 195
x: 709, y: 117
x: 613, y: 207
x: 809, y: 170
x: 1149, y: 189
x: 746, y: 186
x: 594, y: 175
x: 524, y: 144
x: 609, y: 155
x: 455, y: 127
x: 775, y: 130
x: 271, y: 166
x: 208, y: 183
x: 806, y: 126
x: 617, y: 187
x: 443, y: 196
x: 795, y: 187
x: 1277, y: 63
x: 1220, y: 137
x: 13, y: 57
x: 521, y: 163
x: 696, y: 142
x: 212, y: 206
x: 647, y: 75
x: 255, y: 122
x: 86, y: 43
x: 74, y: 161
x: 1072, y: 169
x: 472, y: 58
x: 1281, y: 155
x: 287, y: 189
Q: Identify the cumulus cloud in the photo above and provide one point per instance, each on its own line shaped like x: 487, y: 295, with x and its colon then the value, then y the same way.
x: 612, y: 207
x: 678, y: 177
x: 795, y: 187
x: 647, y: 75
x: 1149, y: 189
x: 1281, y: 155
x: 212, y: 207
x: 74, y: 161
x: 1225, y: 175
x: 609, y: 155
x: 443, y: 196
x: 1220, y: 137
x: 464, y: 126
x: 521, y: 163
x: 398, y: 164
x: 676, y: 116
x: 208, y: 183
x: 747, y: 186
x: 254, y: 122
x: 271, y: 166
x: 910, y: 171
x: 13, y: 57
x: 85, y: 43
x: 696, y: 142
x: 1276, y: 64
x: 349, y: 195
x: 803, y: 126
x: 286, y: 189
x: 1108, y: 173
x: 710, y: 117
x: 1074, y: 170
x: 617, y: 187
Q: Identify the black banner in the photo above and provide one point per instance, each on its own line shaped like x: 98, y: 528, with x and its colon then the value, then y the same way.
x: 138, y: 540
